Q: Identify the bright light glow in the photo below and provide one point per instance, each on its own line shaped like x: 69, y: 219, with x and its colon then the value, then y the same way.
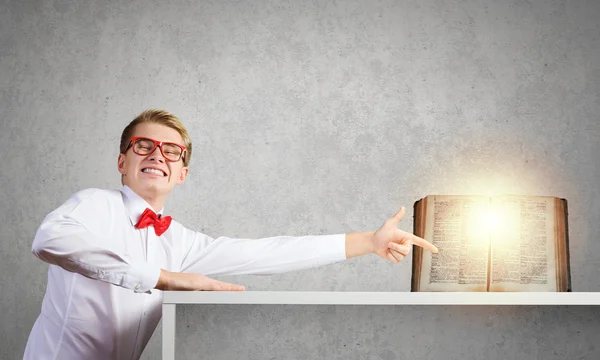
x: 491, y: 220
x: 502, y: 225
x: 482, y: 222
x: 509, y: 232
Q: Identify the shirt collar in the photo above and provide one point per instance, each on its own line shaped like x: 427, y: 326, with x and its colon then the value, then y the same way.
x: 135, y: 204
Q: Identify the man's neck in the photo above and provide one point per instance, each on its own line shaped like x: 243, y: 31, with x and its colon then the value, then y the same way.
x: 157, y: 203
x: 154, y: 199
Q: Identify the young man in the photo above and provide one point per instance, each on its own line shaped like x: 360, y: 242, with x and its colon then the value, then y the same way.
x: 111, y: 252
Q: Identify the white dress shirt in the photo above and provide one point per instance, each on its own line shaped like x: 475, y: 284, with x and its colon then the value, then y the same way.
x: 100, y: 302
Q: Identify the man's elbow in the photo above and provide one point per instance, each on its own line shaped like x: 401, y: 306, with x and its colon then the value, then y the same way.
x: 38, y: 248
x: 41, y: 245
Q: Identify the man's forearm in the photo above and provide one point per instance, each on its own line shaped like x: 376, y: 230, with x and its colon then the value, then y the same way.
x: 358, y: 244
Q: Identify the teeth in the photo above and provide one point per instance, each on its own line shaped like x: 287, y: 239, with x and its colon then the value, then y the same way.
x: 153, y: 171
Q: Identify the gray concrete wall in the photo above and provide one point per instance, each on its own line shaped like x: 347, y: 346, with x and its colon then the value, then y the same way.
x: 312, y: 117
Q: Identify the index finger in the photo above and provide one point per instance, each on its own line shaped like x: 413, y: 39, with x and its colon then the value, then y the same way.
x: 424, y: 244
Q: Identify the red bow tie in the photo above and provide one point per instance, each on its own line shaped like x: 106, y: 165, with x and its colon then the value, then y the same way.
x: 161, y: 224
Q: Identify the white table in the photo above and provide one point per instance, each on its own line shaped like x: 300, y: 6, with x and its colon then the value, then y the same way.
x: 172, y: 298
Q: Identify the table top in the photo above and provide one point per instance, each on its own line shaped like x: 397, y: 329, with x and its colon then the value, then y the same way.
x: 381, y: 298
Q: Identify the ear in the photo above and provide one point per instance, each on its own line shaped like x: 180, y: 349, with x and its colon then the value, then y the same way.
x: 182, y: 175
x: 121, y: 164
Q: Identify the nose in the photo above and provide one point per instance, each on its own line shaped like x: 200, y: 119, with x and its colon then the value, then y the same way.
x: 157, y: 155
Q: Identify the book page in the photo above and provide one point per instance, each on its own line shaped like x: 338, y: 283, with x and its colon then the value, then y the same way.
x: 523, y: 250
x: 453, y: 224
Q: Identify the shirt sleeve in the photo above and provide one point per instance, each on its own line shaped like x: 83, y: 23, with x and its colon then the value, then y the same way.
x: 65, y: 239
x: 230, y: 256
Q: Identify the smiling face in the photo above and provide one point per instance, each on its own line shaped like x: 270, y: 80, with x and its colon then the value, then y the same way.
x: 152, y: 176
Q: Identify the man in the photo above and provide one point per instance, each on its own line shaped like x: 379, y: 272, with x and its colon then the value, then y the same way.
x: 112, y: 252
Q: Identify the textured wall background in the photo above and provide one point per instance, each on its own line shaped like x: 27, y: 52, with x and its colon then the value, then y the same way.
x: 312, y: 117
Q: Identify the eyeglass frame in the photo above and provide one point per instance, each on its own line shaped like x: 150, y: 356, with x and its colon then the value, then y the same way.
x: 158, y: 144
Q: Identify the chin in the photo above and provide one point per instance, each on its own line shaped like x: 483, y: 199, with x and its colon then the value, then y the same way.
x: 157, y: 187
x: 150, y: 187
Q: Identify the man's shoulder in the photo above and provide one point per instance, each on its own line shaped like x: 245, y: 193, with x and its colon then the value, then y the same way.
x: 93, y: 204
x: 97, y: 195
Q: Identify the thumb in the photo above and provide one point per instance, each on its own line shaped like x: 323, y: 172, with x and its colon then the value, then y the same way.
x: 399, y: 215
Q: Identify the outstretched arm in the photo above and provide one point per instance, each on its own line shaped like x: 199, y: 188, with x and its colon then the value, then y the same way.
x: 251, y: 256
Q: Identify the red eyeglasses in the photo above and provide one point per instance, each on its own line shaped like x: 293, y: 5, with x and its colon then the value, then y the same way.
x: 145, y: 146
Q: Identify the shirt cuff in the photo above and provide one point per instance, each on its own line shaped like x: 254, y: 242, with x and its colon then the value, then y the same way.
x: 334, y: 248
x: 142, y: 277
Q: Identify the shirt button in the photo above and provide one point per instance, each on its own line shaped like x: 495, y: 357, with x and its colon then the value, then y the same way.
x: 137, y: 287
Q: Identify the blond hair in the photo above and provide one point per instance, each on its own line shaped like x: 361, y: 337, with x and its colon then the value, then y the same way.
x: 161, y: 117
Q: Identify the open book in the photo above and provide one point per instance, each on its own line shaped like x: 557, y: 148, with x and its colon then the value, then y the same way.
x: 498, y: 243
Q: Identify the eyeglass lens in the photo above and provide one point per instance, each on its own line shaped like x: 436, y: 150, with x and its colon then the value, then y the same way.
x: 144, y: 147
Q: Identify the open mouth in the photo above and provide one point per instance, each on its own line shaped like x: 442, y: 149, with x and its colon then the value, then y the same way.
x: 154, y: 171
